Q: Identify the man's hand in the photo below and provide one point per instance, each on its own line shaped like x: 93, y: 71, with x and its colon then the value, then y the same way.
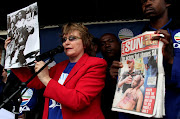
x: 167, y: 48
x: 128, y: 79
x: 114, y: 69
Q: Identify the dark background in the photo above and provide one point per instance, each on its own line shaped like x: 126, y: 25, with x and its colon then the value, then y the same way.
x: 57, y: 12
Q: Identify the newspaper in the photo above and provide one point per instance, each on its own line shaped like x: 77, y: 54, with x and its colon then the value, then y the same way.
x: 23, y: 28
x: 141, y: 85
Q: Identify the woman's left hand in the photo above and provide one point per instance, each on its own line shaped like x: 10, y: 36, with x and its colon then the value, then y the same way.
x: 44, y: 74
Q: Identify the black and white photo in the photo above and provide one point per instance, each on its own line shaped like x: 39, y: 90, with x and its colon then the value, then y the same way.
x: 23, y: 28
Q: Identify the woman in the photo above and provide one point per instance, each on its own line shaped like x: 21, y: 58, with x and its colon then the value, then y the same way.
x: 73, y: 85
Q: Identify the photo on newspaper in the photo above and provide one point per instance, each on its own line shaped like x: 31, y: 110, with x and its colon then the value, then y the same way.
x: 140, y: 86
x: 23, y: 28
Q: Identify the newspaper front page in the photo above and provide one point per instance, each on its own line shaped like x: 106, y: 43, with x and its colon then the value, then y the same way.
x: 23, y: 28
x: 141, y: 84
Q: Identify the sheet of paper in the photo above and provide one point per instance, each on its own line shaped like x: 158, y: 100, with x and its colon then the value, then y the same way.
x: 5, y: 114
x: 23, y: 28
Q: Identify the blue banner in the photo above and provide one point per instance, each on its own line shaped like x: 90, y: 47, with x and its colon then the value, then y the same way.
x: 50, y: 37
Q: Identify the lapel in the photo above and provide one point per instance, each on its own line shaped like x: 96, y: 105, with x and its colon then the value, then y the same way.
x: 77, y: 66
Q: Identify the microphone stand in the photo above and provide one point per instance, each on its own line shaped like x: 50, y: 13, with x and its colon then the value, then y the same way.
x: 23, y: 85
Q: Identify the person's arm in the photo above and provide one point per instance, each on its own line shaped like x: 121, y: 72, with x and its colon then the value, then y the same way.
x: 24, y: 73
x: 120, y: 83
x: 126, y: 80
x: 140, y: 100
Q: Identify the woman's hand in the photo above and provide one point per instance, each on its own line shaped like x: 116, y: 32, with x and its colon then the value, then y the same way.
x: 7, y: 41
x: 44, y: 74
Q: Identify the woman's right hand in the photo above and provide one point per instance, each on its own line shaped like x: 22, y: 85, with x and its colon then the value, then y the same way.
x: 7, y: 41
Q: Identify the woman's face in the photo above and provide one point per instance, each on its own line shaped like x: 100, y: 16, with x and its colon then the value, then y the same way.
x: 73, y: 48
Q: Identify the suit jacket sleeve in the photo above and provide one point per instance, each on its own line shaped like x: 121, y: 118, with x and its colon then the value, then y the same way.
x: 25, y: 73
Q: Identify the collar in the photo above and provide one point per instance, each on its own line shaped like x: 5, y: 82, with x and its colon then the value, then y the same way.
x: 161, y: 27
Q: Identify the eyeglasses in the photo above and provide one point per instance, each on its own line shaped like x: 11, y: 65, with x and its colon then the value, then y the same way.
x: 71, y: 38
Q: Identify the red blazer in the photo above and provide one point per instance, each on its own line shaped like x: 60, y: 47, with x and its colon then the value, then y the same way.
x: 81, y: 92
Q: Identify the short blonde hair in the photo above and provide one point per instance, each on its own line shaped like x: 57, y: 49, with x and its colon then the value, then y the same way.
x: 84, y: 34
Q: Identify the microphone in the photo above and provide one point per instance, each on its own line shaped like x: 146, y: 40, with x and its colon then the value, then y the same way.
x: 51, y: 53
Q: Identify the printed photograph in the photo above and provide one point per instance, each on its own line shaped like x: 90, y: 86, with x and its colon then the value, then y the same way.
x: 137, y: 83
x: 23, y: 28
